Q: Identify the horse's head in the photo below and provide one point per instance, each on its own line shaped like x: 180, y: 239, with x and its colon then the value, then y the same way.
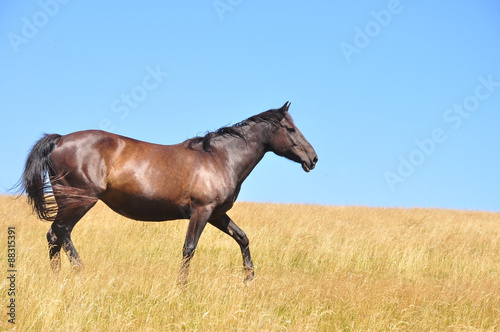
x: 289, y: 142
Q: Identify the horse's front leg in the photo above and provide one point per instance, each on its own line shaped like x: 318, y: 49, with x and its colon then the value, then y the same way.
x: 196, y: 225
x: 225, y: 224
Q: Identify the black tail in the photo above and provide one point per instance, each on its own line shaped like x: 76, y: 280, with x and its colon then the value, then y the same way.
x: 35, y: 176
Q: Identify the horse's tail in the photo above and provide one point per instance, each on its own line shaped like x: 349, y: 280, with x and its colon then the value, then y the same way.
x: 34, y: 180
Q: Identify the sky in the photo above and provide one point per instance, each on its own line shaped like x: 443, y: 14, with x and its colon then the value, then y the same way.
x: 400, y: 99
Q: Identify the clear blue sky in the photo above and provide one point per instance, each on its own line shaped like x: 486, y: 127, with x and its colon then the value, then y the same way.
x: 401, y: 99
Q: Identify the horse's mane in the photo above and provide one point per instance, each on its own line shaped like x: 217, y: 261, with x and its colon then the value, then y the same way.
x: 273, y: 117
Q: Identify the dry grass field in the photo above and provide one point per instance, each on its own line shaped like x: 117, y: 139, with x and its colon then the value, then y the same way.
x: 317, y: 269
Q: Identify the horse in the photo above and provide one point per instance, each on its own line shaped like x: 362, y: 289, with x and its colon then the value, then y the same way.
x: 198, y: 179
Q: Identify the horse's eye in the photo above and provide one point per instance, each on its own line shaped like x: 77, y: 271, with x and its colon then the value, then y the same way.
x: 290, y: 130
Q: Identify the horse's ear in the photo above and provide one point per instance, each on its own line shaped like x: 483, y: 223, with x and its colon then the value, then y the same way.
x: 285, y: 107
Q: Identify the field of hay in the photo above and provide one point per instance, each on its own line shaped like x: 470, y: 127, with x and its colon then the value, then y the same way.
x: 317, y: 269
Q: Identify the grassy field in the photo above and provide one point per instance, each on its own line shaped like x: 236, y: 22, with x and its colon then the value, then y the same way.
x: 317, y: 269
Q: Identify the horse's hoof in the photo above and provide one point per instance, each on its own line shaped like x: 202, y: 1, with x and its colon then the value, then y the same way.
x: 249, y: 276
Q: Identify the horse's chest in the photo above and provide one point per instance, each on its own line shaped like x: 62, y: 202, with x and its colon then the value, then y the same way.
x: 213, y: 187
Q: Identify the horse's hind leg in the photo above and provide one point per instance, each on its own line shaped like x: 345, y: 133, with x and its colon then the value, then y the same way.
x: 59, y: 237
x: 55, y: 245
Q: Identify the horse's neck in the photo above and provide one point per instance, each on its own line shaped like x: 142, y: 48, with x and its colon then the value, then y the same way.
x: 243, y: 155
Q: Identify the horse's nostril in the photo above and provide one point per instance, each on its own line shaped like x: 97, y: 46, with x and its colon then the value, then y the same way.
x: 315, y: 160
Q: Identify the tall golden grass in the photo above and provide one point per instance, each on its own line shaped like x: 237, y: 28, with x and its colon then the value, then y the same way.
x: 317, y: 269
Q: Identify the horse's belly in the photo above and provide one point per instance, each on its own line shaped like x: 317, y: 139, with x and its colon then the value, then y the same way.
x: 145, y: 209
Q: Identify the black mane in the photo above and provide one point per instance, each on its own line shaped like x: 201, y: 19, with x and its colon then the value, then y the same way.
x: 273, y: 117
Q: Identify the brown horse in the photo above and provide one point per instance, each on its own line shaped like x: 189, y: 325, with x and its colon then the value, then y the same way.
x: 198, y: 179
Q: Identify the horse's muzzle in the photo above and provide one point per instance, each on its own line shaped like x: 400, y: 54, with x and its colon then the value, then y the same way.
x: 309, y: 166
